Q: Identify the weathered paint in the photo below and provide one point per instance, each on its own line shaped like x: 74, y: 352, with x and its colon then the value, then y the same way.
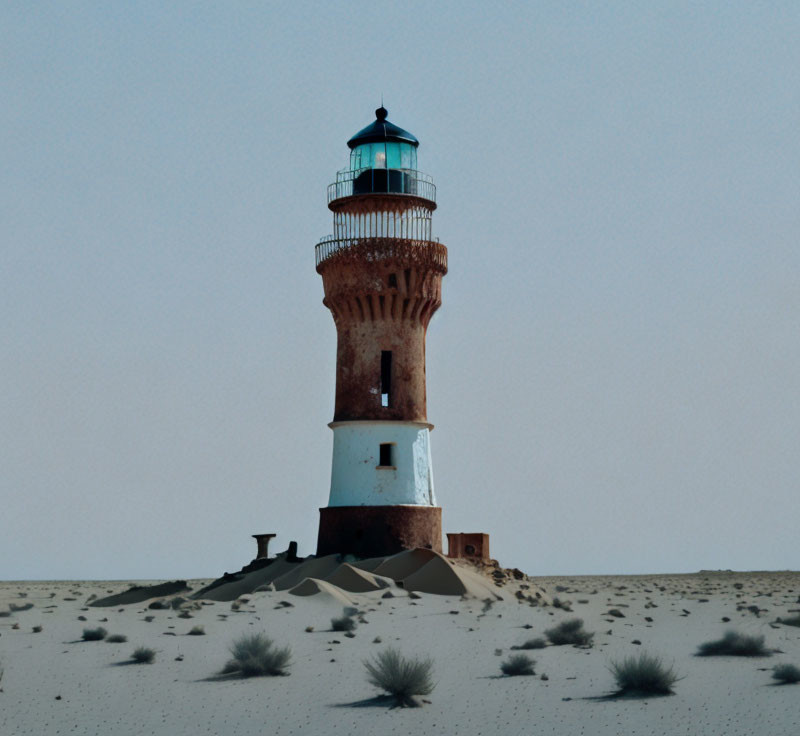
x: 374, y: 531
x: 357, y: 479
x: 382, y: 295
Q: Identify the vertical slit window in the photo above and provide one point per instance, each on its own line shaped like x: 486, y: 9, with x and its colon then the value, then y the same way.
x: 386, y: 378
x: 386, y: 459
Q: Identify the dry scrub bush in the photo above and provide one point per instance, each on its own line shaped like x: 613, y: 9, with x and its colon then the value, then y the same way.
x: 116, y: 639
x: 97, y: 634
x: 734, y: 644
x: 343, y: 623
x: 643, y: 675
x: 786, y: 674
x: 197, y: 631
x: 570, y: 631
x: 143, y: 655
x: 400, y: 677
x: 518, y: 664
x: 254, y: 655
x: 791, y: 621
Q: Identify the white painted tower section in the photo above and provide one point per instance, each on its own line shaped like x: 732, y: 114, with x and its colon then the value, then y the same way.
x: 359, y: 479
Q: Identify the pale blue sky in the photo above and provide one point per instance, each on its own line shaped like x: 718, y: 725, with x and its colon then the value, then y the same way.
x: 614, y: 373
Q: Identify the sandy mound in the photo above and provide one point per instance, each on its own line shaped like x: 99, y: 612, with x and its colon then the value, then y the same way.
x: 403, y: 564
x: 419, y: 570
x: 326, y: 591
x: 370, y: 564
x: 247, y: 583
x: 354, y: 580
x: 441, y: 577
x: 141, y: 593
x: 315, y: 567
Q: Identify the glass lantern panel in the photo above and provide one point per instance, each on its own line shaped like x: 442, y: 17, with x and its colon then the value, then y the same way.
x: 408, y: 156
x: 356, y: 159
x: 383, y: 156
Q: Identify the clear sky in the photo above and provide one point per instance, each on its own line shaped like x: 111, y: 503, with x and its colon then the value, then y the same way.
x: 614, y: 375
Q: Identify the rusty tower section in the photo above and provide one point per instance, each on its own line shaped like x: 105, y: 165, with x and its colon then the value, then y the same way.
x: 382, y: 276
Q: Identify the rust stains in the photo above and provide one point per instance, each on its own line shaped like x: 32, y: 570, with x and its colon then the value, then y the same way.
x: 373, y: 531
x: 382, y: 295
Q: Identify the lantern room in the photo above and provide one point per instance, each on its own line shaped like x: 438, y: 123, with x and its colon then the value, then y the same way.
x: 383, y: 160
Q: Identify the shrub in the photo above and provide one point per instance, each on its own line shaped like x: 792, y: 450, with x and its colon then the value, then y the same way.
x: 400, y: 677
x: 791, y: 621
x: 197, y: 631
x: 143, y: 655
x: 254, y: 655
x: 116, y: 638
x: 343, y: 623
x: 97, y: 634
x: 37, y: 629
x: 537, y: 643
x: 786, y: 674
x: 570, y: 631
x: 518, y: 664
x: 643, y: 675
x: 24, y: 607
x: 734, y: 644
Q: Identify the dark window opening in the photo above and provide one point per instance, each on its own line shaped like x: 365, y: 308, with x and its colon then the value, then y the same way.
x: 386, y: 377
x: 392, y: 280
x: 386, y: 454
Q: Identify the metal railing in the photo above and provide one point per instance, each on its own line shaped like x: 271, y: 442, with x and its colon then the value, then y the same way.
x: 374, y: 249
x: 382, y: 181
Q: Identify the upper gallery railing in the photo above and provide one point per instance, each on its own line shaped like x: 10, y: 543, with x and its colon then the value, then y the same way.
x: 382, y: 181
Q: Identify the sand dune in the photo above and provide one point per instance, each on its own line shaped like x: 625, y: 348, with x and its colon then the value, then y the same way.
x: 439, y: 576
x: 354, y: 580
x: 246, y: 583
x: 141, y: 593
x: 418, y: 570
x: 369, y: 564
x: 404, y: 564
x: 322, y: 590
x: 313, y: 567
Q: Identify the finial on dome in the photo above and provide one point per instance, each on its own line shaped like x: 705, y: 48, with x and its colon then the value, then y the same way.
x: 381, y: 113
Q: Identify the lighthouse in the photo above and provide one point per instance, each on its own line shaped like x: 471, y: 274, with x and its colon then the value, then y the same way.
x: 382, y: 275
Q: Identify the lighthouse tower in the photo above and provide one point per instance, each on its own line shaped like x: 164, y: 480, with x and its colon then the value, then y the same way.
x: 382, y: 275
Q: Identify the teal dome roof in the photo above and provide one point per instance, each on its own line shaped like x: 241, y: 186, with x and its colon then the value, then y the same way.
x: 382, y: 131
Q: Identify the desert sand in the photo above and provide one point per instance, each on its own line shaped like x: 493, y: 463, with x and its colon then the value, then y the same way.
x: 55, y: 683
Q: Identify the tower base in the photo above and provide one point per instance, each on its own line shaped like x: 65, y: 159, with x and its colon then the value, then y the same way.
x: 377, y: 531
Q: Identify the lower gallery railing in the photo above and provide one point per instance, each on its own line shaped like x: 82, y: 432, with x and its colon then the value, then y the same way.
x: 374, y: 249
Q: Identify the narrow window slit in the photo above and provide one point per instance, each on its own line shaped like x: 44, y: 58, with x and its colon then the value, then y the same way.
x: 386, y: 378
x: 386, y: 459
